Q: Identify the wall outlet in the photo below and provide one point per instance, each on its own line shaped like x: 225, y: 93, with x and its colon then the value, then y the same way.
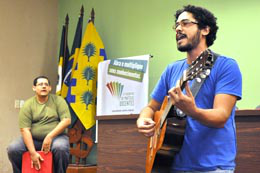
x: 21, y: 103
x: 16, y: 104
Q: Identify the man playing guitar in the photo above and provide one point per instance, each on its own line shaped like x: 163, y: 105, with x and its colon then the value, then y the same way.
x: 210, y: 137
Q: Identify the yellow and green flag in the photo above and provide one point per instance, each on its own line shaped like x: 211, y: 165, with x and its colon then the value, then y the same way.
x: 83, y: 85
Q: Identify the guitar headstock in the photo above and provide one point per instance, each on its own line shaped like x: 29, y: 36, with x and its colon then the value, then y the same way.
x: 200, y: 68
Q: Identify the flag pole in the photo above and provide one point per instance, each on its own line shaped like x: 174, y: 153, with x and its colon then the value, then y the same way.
x: 92, y: 15
x: 82, y: 11
x: 66, y: 28
x: 66, y: 33
x: 65, y: 45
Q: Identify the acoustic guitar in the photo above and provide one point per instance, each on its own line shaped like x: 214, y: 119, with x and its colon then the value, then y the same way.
x: 170, y: 126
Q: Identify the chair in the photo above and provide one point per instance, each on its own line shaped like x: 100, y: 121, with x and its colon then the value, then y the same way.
x: 46, y: 165
x: 81, y: 144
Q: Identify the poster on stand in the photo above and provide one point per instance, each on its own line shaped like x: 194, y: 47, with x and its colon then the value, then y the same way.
x: 122, y: 85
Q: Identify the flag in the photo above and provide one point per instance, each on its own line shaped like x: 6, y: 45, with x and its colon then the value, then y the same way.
x: 71, y: 65
x: 73, y: 58
x: 83, y: 86
x: 63, y: 59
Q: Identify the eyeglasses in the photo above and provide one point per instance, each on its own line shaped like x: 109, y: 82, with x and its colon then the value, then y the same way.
x: 184, y: 23
x: 42, y: 84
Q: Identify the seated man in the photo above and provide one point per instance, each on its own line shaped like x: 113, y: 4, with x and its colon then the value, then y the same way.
x: 43, y: 121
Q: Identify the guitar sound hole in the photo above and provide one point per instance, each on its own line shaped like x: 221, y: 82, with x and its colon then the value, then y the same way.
x: 172, y: 113
x: 174, y: 134
x: 174, y: 138
x: 172, y: 143
x: 162, y: 164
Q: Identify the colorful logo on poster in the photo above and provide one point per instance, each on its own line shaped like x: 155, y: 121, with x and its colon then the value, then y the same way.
x: 115, y: 88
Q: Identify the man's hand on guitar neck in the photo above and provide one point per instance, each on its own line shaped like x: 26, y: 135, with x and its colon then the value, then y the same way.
x: 215, y: 117
x: 186, y: 103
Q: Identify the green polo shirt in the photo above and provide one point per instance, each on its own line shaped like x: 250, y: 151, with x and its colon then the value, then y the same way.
x: 43, y: 118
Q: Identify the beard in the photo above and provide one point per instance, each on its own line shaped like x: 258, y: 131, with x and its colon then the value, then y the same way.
x: 195, y: 40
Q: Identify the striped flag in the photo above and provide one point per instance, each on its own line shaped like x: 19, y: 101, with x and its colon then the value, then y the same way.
x: 73, y: 58
x: 63, y: 59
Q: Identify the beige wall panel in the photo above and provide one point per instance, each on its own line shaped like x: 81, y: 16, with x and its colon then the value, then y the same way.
x: 28, y: 46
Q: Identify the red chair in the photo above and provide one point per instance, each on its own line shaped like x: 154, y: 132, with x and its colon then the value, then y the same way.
x: 46, y: 165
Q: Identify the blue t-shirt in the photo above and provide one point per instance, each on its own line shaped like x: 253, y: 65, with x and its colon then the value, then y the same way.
x: 206, y: 148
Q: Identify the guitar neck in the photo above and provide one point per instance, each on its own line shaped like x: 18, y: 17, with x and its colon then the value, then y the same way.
x: 192, y: 72
x: 182, y: 82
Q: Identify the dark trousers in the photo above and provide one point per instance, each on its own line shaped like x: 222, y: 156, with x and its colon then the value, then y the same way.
x: 59, y: 149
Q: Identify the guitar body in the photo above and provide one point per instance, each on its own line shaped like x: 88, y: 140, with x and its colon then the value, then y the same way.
x: 170, y: 127
x: 166, y: 141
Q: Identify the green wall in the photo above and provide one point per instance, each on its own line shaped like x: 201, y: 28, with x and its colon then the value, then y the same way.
x: 136, y: 27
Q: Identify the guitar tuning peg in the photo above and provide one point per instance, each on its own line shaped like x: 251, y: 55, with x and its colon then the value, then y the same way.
x: 207, y: 72
x: 208, y: 63
x: 202, y: 75
x: 198, y: 80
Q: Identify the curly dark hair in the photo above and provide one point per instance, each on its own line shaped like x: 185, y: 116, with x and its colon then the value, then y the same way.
x: 205, y: 18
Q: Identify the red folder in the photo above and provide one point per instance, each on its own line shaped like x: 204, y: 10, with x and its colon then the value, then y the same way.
x: 46, y: 165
